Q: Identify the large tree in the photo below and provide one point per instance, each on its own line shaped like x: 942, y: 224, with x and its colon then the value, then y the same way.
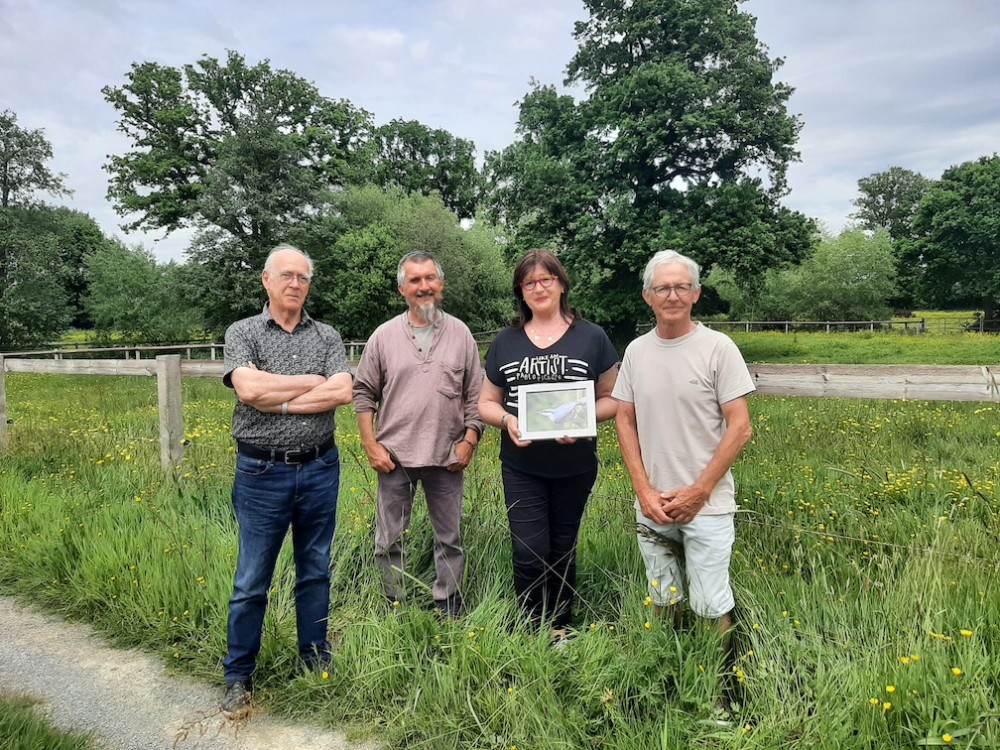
x: 888, y: 200
x: 683, y: 141
x: 426, y: 160
x: 243, y: 149
x: 34, y: 304
x: 956, y: 238
x: 23, y: 164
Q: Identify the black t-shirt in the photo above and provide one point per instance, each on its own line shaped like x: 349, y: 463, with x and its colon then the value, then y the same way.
x: 583, y: 353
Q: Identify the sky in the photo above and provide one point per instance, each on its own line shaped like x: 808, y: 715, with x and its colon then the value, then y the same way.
x: 878, y: 83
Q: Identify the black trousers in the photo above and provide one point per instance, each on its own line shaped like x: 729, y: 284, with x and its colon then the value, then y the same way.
x: 544, y: 516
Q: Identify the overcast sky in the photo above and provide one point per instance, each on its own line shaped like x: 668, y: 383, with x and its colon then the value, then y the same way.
x: 879, y: 83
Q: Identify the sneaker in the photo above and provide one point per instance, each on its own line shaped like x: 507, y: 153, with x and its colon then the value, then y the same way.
x: 236, y: 702
x: 450, y: 607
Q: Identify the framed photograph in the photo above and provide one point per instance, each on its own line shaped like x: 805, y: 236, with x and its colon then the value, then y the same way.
x: 546, y: 411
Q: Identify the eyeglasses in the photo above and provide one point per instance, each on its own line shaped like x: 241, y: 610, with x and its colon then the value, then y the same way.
x: 287, y: 276
x: 681, y: 290
x: 545, y: 281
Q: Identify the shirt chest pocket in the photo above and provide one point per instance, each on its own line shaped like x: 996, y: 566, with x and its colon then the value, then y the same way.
x: 450, y: 378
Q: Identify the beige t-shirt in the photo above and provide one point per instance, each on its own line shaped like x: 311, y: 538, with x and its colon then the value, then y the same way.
x: 678, y: 387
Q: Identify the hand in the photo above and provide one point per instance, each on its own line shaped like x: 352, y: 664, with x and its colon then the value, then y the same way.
x: 651, y: 503
x: 464, y: 450
x: 683, y: 504
x: 565, y: 440
x: 379, y: 458
x: 514, y: 432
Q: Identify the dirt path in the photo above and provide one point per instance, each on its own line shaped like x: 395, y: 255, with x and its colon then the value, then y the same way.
x: 125, y: 698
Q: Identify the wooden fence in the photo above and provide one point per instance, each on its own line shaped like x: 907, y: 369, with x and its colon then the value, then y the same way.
x: 910, y: 382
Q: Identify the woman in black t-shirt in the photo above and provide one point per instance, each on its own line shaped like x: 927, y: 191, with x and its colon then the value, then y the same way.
x: 546, y: 483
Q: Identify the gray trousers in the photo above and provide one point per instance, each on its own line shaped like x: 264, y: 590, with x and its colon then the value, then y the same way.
x: 444, y: 492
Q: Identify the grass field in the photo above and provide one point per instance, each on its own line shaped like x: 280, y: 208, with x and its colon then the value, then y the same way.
x: 866, y: 571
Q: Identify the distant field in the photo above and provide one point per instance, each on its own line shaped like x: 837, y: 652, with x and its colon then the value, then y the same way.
x: 866, y: 347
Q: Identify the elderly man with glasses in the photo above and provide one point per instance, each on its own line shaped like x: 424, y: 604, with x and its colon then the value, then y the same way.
x: 290, y: 374
x: 682, y: 422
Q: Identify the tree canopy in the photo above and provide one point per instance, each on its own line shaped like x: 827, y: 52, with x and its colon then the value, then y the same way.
x: 241, y: 148
x: 23, y: 163
x: 683, y: 125
x: 426, y: 160
x: 888, y: 200
x: 956, y: 237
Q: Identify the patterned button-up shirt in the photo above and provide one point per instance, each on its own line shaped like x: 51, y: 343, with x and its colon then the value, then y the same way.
x: 313, y: 348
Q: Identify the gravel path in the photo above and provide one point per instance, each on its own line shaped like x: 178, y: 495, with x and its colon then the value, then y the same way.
x: 126, y: 699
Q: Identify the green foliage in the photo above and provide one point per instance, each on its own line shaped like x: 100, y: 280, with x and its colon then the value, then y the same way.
x: 956, y: 240
x: 356, y: 251
x: 848, y: 277
x: 244, y: 149
x: 34, y: 303
x: 682, y: 142
x: 888, y: 200
x: 23, y: 169
x: 132, y: 296
x: 23, y: 727
x: 419, y: 159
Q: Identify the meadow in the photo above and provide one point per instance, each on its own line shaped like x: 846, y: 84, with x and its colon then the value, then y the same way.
x: 865, y: 568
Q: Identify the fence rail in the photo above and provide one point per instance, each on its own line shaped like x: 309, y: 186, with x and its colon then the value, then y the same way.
x: 210, y: 351
x: 828, y: 326
x: 912, y: 382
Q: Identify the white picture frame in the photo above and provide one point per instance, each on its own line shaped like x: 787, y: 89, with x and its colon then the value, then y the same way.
x: 546, y: 411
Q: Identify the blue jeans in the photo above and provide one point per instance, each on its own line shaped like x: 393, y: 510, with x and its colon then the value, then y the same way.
x: 268, y: 498
x: 545, y: 516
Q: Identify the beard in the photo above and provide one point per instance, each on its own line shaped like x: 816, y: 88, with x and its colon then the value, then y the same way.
x: 428, y: 310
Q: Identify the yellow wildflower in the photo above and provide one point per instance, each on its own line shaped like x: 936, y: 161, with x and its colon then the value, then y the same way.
x: 890, y: 689
x: 965, y: 633
x: 946, y: 738
x: 956, y: 671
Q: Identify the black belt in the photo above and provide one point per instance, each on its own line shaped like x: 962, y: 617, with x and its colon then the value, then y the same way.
x: 303, y: 456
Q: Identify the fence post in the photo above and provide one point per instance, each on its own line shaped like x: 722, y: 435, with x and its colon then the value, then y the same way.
x: 168, y: 387
x: 3, y: 411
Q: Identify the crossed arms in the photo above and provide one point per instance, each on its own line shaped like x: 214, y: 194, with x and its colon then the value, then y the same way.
x: 304, y: 394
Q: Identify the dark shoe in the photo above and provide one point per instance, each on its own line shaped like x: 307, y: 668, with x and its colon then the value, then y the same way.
x: 450, y: 607
x: 237, y: 700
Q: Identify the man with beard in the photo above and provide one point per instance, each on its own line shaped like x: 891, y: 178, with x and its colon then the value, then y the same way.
x: 420, y: 374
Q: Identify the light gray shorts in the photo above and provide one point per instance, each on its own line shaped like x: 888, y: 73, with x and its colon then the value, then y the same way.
x: 707, y: 544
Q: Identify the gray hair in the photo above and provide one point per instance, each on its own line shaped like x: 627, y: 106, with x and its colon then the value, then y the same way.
x: 416, y: 257
x: 666, y: 258
x: 269, y: 263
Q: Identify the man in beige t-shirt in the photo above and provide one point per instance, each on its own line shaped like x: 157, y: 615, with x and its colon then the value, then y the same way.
x: 682, y: 422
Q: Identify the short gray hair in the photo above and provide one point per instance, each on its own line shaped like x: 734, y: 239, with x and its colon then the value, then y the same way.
x: 416, y: 257
x: 666, y: 258
x: 269, y: 263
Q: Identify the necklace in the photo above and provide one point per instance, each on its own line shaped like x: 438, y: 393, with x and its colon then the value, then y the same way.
x: 537, y: 335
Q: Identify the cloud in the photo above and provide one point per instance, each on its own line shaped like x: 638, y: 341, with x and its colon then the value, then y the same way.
x: 908, y: 83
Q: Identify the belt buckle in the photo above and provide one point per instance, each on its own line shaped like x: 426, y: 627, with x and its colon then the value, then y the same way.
x: 293, y: 458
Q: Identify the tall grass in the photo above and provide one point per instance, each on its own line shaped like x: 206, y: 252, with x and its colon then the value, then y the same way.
x: 866, y: 571
x: 24, y: 728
